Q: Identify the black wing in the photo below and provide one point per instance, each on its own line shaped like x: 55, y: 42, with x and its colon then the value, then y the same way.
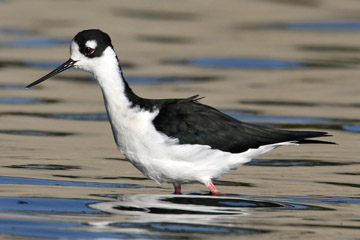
x: 194, y: 123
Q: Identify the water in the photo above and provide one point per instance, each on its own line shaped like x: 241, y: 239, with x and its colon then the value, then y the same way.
x: 264, y: 62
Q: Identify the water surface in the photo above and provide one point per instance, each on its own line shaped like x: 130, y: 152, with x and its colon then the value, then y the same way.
x: 62, y: 177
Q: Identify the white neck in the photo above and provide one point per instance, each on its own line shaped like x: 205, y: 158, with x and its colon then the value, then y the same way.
x: 107, y: 72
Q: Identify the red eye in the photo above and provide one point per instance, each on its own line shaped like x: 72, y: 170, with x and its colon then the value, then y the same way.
x: 88, y: 50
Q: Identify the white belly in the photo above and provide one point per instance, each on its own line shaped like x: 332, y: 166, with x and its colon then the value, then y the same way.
x: 163, y: 159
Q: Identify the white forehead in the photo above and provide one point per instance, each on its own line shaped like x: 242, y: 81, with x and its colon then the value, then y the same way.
x: 91, y: 44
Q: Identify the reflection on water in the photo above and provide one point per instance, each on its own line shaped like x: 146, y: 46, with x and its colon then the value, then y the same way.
x: 330, y: 48
x: 13, y: 31
x: 10, y: 86
x: 259, y: 63
x: 36, y: 133
x: 194, y: 205
x: 326, y: 26
x: 293, y: 122
x: 31, y: 205
x: 351, y: 128
x: 52, y: 189
x: 29, y: 64
x: 152, y: 216
x: 22, y: 100
x: 295, y: 162
x: 61, y: 230
x: 50, y: 182
x: 158, y: 15
x: 250, y: 63
x: 34, y: 43
x: 299, y: 104
x: 45, y: 166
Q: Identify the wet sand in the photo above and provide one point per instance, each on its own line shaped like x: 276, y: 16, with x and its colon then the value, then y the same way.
x: 311, y: 82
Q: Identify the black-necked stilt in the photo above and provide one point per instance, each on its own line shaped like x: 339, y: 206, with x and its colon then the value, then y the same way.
x: 176, y: 141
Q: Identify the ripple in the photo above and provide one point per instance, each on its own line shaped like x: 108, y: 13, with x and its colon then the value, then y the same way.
x: 295, y: 163
x: 155, y: 14
x: 330, y: 48
x: 18, y: 100
x: 44, y: 166
x: 332, y: 200
x: 351, y: 128
x: 350, y: 173
x: 13, y: 31
x: 164, y: 39
x: 294, y: 122
x: 234, y: 184
x: 48, y: 182
x: 247, y: 63
x: 36, y: 133
x: 31, y: 64
x: 50, y: 229
x: 263, y: 63
x: 10, y: 86
x: 69, y: 116
x: 185, y: 228
x: 355, y: 185
x: 325, y: 26
x: 307, y: 3
x: 298, y: 104
x: 34, y: 43
x: 37, y: 204
x: 196, y: 205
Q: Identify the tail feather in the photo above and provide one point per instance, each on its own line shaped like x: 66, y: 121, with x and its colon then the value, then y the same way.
x: 303, y: 137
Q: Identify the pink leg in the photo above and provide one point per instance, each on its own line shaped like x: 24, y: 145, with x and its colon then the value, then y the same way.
x: 212, y: 188
x: 177, y: 188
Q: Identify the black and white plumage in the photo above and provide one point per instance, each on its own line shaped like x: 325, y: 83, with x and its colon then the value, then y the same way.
x: 176, y: 141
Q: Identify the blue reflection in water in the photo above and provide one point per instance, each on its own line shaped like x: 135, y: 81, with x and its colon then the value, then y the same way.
x: 34, y: 43
x: 252, y: 63
x: 324, y: 26
x: 36, y: 181
x: 79, y: 116
x: 10, y: 86
x: 18, y: 100
x: 182, y: 227
x: 351, y: 128
x: 35, y: 133
x: 57, y: 229
x: 335, y: 199
x: 47, y: 204
x: 13, y: 31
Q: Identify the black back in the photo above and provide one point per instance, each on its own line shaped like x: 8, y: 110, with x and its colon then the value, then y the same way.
x: 194, y: 123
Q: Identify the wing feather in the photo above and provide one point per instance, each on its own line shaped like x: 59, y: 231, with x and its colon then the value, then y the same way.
x: 194, y: 123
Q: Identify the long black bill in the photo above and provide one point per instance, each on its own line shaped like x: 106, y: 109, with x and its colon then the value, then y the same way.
x: 66, y: 65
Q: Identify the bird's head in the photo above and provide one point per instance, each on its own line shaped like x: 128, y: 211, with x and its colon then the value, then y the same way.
x: 89, y: 50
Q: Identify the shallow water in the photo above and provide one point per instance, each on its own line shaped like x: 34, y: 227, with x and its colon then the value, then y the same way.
x: 275, y: 63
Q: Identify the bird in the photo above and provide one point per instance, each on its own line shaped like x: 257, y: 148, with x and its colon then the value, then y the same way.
x: 175, y: 140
